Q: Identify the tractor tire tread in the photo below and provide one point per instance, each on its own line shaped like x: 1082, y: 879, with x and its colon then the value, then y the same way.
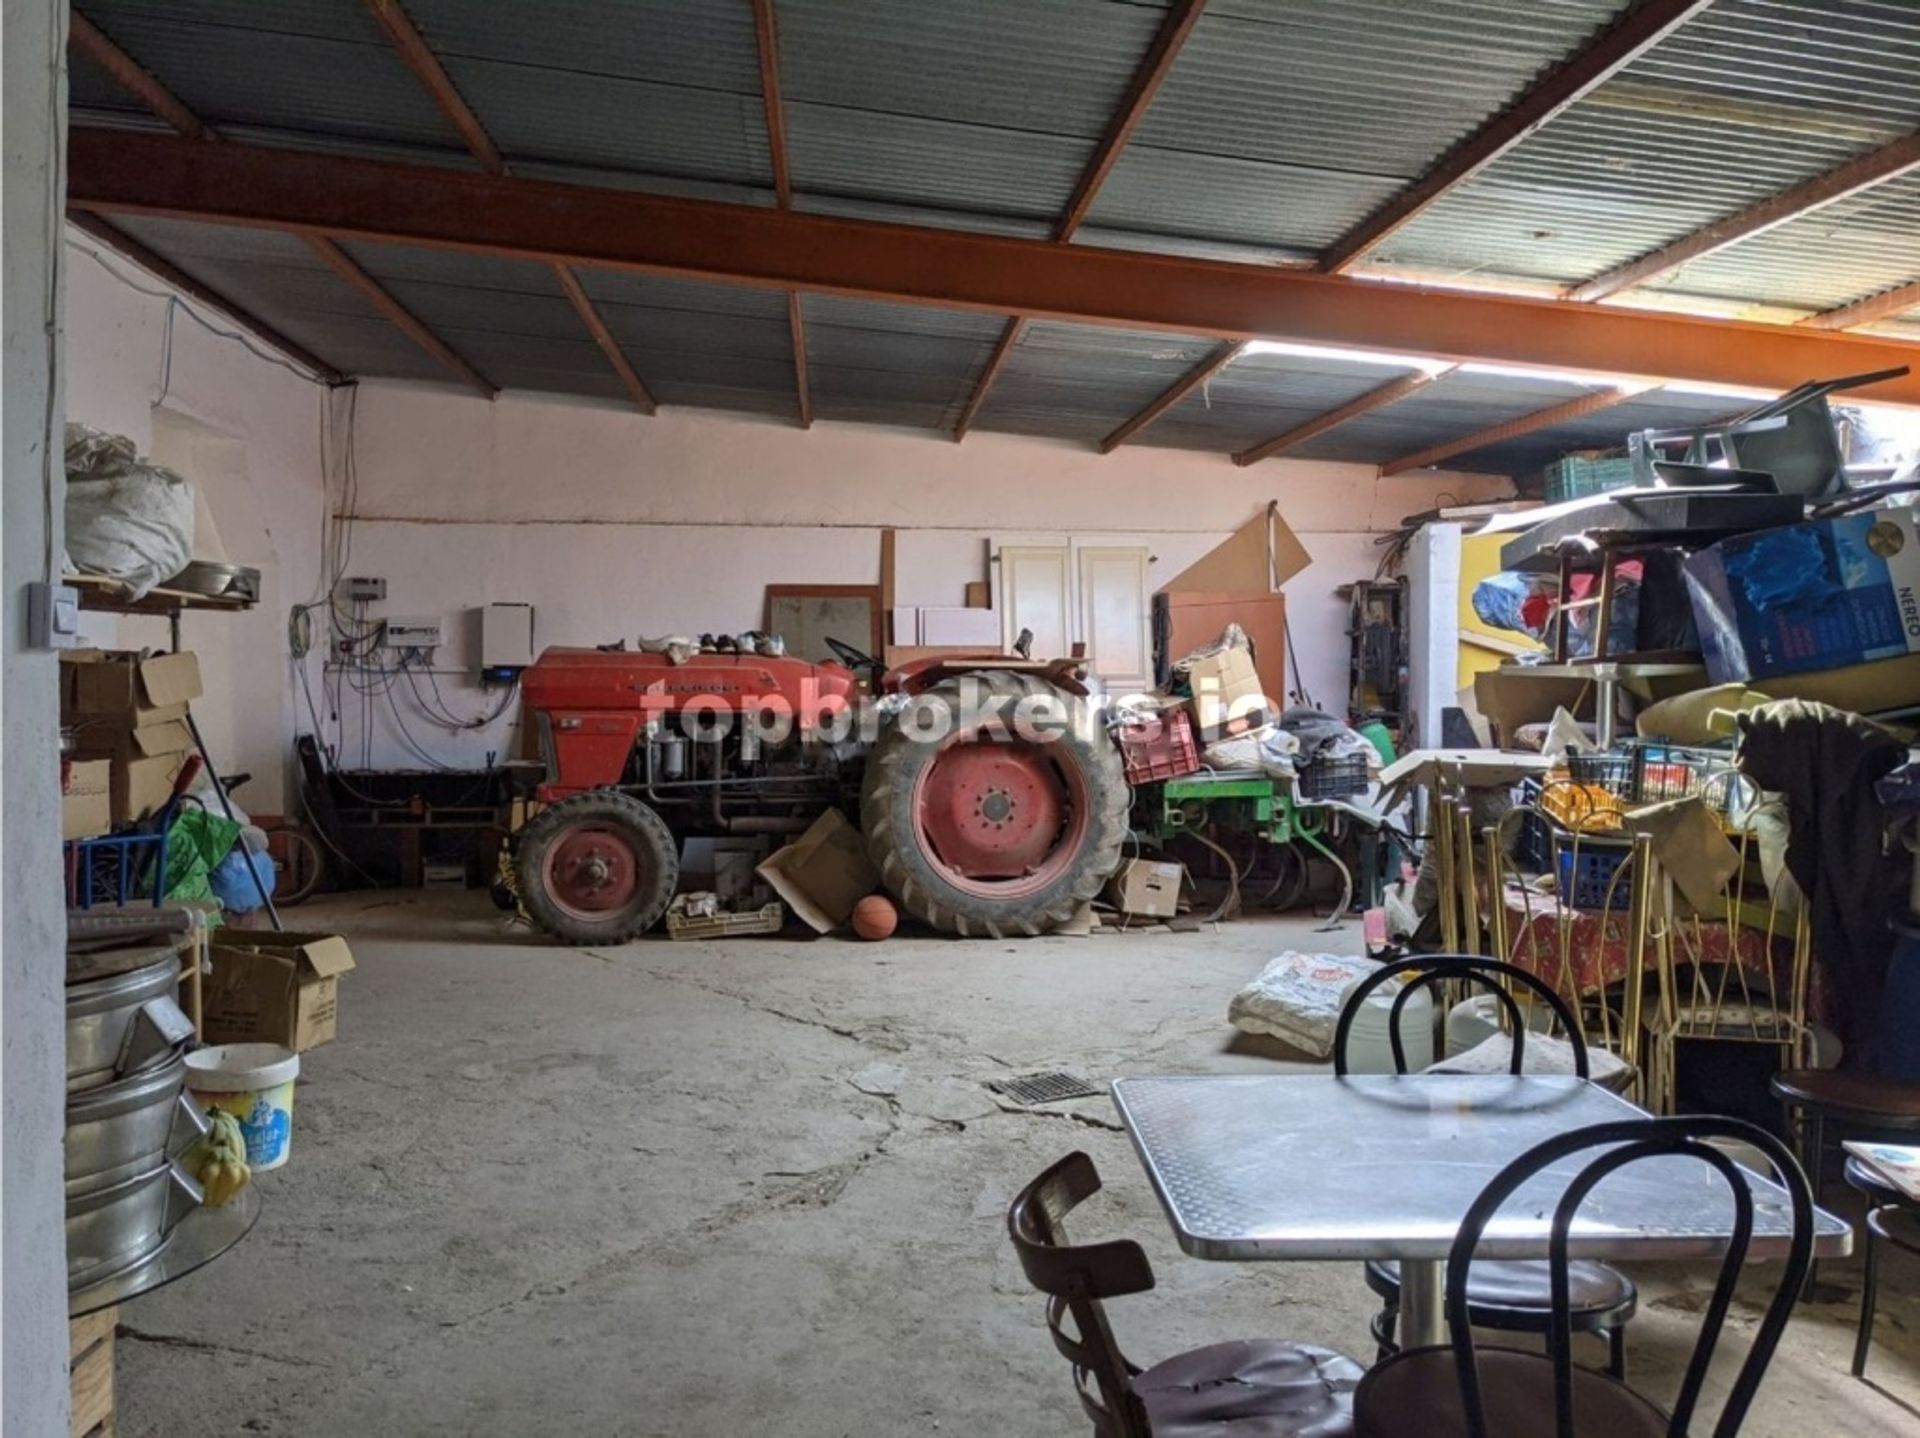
x: 648, y: 829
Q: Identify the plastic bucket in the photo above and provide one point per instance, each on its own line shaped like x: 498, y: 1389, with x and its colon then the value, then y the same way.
x: 254, y: 1083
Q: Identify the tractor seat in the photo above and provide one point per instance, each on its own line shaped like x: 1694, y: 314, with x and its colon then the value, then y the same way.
x: 1251, y: 1389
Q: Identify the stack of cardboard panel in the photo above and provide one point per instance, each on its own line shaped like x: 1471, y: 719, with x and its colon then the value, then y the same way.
x: 129, y: 711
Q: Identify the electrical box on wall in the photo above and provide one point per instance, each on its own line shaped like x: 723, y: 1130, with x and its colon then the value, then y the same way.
x: 506, y: 640
x: 410, y: 633
x: 364, y: 588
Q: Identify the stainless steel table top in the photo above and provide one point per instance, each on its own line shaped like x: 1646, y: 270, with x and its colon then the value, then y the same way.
x: 1315, y: 1167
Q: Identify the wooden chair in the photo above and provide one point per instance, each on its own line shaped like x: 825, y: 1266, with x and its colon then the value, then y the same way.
x: 1891, y: 1218
x: 1256, y: 1388
x: 1515, y: 1297
x: 1458, y: 1391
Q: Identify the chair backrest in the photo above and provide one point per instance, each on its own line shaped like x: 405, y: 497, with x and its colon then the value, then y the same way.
x: 1075, y: 1280
x: 1629, y: 1141
x: 1432, y: 970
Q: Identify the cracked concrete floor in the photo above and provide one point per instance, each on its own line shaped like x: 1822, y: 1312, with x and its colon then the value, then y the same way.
x: 757, y: 1186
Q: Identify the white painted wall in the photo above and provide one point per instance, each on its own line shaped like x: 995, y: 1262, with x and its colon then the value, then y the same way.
x: 246, y: 430
x: 33, y: 1314
x: 617, y: 525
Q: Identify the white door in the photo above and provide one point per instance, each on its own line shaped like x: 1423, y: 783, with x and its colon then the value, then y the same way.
x: 1114, y: 615
x: 1036, y: 583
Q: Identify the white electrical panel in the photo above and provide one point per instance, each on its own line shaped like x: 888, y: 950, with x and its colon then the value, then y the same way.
x: 506, y: 636
x: 410, y: 633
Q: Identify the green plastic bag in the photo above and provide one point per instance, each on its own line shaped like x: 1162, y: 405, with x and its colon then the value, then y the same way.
x: 195, y: 844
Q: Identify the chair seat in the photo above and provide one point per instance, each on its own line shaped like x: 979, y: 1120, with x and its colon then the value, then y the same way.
x: 1417, y: 1395
x: 1499, y: 1291
x: 1849, y: 1092
x: 1252, y: 1389
x: 1862, y: 1179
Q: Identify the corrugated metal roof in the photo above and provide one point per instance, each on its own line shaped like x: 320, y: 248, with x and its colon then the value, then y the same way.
x: 1854, y: 247
x: 281, y: 282
x: 1080, y: 382
x: 300, y: 67
x: 1286, y: 125
x: 893, y: 364
x: 1260, y: 396
x: 1453, y: 406
x: 1746, y: 100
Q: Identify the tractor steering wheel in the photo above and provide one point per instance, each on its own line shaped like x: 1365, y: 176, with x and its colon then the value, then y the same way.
x: 856, y: 659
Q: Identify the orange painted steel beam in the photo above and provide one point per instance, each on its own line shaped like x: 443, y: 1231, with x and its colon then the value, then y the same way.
x: 1376, y: 398
x: 1863, y: 172
x: 1173, y: 394
x: 402, y: 318
x: 1526, y: 424
x: 418, y: 57
x: 1604, y: 56
x: 1147, y: 79
x: 1887, y: 303
x: 766, y: 35
x: 159, y: 265
x: 437, y: 208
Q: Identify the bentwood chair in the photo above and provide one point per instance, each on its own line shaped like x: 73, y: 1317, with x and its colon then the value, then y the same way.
x: 1512, y: 1296
x: 1251, y: 1389
x: 1460, y: 1391
x: 1891, y: 1218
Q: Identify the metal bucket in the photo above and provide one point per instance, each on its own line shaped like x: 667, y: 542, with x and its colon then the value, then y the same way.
x: 112, y: 1230
x: 125, y: 1023
x: 127, y: 1128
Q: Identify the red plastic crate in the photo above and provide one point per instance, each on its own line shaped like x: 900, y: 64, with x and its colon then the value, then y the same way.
x: 1159, y: 749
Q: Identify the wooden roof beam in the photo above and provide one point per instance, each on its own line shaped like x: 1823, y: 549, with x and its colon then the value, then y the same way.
x: 146, y: 88
x: 1863, y: 172
x: 1526, y: 424
x: 112, y: 171
x: 1173, y: 394
x: 1604, y: 56
x: 1148, y: 76
x: 419, y: 58
x: 1884, y: 305
x: 766, y: 35
x: 1376, y: 398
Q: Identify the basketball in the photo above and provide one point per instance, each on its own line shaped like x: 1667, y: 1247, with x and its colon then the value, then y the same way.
x: 875, y: 917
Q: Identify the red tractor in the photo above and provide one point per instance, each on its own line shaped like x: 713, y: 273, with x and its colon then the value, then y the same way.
x: 992, y: 800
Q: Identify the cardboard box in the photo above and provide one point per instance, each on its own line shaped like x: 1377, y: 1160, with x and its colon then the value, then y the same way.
x: 1813, y: 596
x: 126, y: 687
x: 274, y: 988
x: 1225, y: 686
x: 1147, y: 889
x: 823, y: 873
x: 86, y: 798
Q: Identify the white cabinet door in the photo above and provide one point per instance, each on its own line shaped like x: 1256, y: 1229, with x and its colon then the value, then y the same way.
x: 1036, y: 592
x: 1114, y: 615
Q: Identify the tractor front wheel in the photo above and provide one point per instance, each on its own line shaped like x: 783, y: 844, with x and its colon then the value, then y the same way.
x: 983, y: 821
x: 598, y: 868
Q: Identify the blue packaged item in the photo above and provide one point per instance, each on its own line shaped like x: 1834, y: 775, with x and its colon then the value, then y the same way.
x: 1813, y: 596
x: 234, y: 887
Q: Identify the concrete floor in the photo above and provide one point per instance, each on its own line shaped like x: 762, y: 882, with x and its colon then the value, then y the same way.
x: 756, y: 1186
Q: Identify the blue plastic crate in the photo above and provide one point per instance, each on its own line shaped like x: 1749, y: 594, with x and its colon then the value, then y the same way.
x: 1586, y: 874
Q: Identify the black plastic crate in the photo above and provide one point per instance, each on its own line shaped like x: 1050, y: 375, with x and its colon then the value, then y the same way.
x: 1335, y: 778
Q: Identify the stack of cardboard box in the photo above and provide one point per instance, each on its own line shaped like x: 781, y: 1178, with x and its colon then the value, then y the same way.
x: 127, y: 712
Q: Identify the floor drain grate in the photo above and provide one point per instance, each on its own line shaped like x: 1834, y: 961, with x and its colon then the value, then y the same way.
x: 1044, y: 1088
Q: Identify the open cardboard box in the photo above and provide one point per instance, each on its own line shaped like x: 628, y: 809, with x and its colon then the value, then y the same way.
x: 274, y: 988
x: 823, y: 873
x: 127, y: 689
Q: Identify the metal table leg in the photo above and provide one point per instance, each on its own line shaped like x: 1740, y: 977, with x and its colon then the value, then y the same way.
x: 1422, y: 1312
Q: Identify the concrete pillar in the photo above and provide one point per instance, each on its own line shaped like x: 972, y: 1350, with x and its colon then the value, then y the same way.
x: 33, y: 103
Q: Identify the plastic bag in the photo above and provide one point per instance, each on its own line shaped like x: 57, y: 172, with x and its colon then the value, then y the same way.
x: 196, y: 844
x: 235, y: 887
x: 127, y: 520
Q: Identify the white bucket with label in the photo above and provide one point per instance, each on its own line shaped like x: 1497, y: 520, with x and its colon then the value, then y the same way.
x: 254, y: 1083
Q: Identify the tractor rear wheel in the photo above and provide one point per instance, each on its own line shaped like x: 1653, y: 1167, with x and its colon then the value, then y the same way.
x: 983, y: 822
x: 598, y: 868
